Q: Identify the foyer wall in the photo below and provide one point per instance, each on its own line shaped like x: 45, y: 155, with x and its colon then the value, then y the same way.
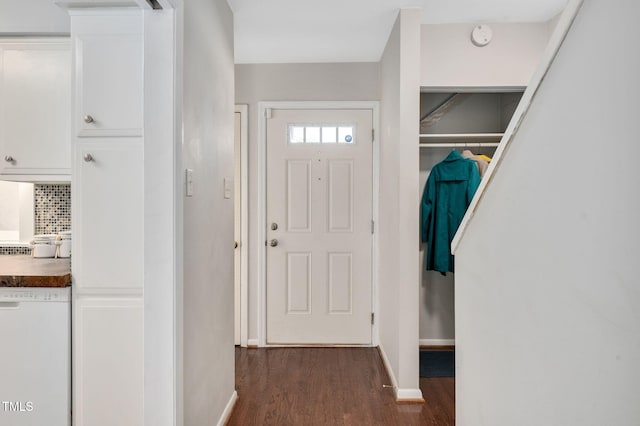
x: 547, y: 299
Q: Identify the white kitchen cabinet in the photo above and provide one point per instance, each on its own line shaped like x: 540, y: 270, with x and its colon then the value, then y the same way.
x: 108, y: 361
x: 35, y: 102
x: 108, y: 197
x: 107, y: 200
x: 107, y: 190
x: 109, y: 72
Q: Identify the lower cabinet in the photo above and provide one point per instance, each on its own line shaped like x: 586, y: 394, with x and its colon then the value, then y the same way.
x: 108, y: 361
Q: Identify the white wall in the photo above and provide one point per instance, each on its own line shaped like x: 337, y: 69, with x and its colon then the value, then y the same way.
x: 9, y: 212
x: 16, y: 212
x: 547, y: 296
x: 387, y: 232
x: 449, y: 59
x: 399, y: 200
x: 162, y: 219
x: 552, y: 23
x: 291, y: 82
x: 33, y: 17
x: 208, y: 109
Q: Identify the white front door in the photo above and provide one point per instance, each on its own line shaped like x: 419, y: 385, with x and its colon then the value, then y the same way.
x: 319, y: 220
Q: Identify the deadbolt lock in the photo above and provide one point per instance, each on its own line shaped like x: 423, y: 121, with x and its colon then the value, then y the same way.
x: 274, y: 226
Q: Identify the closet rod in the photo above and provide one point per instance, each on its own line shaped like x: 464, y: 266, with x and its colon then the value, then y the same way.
x: 460, y: 145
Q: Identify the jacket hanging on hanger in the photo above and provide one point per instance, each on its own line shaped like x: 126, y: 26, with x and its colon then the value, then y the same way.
x: 447, y: 194
x: 482, y: 164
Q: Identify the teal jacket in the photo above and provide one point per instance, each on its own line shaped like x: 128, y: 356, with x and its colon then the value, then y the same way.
x: 447, y: 194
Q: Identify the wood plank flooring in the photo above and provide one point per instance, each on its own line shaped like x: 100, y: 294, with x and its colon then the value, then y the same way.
x: 330, y: 386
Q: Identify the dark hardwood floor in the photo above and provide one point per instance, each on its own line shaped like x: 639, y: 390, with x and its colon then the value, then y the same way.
x: 330, y: 386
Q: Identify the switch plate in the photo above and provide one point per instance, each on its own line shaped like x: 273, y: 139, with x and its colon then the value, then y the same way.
x: 228, y: 187
x: 188, y: 182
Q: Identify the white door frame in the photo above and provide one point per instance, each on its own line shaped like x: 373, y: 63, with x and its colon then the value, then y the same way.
x: 243, y: 110
x: 261, y: 270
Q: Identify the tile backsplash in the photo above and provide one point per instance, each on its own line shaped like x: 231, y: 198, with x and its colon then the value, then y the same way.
x: 52, y: 208
x: 51, y: 214
x: 14, y: 250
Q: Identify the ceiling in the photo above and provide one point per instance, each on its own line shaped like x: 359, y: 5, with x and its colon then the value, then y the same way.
x: 293, y: 31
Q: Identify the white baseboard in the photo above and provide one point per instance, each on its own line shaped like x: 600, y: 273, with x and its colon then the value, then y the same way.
x: 387, y: 366
x: 253, y: 343
x: 409, y: 395
x: 228, y: 409
x: 402, y: 395
x: 437, y: 342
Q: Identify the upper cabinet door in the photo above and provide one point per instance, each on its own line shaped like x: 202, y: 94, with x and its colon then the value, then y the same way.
x: 109, y: 76
x: 35, y: 102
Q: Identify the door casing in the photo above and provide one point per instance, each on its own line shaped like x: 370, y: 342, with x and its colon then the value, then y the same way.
x: 261, y: 267
x: 243, y: 218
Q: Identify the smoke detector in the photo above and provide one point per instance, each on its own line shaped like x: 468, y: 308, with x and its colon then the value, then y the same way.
x: 481, y: 35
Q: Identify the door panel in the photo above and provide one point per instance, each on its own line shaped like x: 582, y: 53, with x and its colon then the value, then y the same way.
x: 299, y: 196
x: 340, y: 283
x: 109, y: 86
x: 340, y: 196
x: 108, y: 361
x: 34, y: 118
x: 109, y: 208
x: 319, y: 200
x: 299, y: 283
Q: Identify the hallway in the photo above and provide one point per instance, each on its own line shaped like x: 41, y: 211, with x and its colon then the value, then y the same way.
x: 330, y: 386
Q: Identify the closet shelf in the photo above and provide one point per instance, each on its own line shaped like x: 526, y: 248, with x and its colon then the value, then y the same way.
x: 461, y: 137
x: 459, y: 145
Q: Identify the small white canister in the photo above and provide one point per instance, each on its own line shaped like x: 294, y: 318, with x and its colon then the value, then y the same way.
x: 64, y: 249
x: 44, y: 246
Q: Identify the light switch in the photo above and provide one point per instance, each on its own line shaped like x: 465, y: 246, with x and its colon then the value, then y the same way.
x: 228, y: 187
x: 189, y: 182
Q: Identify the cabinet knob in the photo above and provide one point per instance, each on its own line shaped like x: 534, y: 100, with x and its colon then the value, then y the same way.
x: 88, y: 119
x: 88, y: 158
x: 9, y: 159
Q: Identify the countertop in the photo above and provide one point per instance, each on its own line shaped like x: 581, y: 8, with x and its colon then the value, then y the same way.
x: 27, y: 271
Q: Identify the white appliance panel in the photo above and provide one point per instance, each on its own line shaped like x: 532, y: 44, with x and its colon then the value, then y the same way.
x: 35, y: 348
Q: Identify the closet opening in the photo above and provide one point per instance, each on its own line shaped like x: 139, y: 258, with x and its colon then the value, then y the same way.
x: 471, y: 122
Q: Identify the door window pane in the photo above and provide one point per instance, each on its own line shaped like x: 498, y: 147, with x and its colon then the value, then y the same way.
x: 329, y: 134
x: 345, y: 134
x: 312, y: 135
x: 296, y: 134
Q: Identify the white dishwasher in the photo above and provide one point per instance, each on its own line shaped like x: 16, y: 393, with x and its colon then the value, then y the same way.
x: 35, y: 356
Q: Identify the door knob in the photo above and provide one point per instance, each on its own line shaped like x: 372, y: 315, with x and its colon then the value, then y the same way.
x: 88, y: 119
x: 88, y: 158
x: 273, y: 243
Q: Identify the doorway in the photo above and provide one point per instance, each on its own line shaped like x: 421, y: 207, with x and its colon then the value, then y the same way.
x: 241, y: 222
x: 319, y: 226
